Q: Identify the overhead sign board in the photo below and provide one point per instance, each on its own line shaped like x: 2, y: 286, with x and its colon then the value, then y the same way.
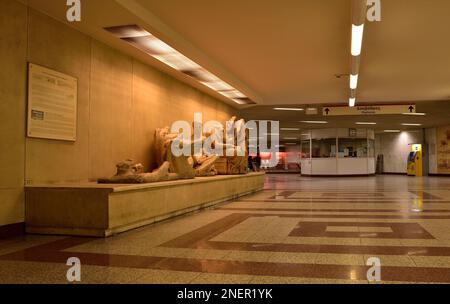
x: 369, y: 110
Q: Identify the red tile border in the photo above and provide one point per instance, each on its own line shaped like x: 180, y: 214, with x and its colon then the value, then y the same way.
x: 399, y: 230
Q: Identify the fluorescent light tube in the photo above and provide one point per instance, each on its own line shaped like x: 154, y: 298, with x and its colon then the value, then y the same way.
x: 411, y: 124
x: 290, y: 129
x: 357, y: 36
x: 353, y: 81
x: 365, y: 123
x: 352, y: 101
x: 416, y: 114
x: 288, y: 109
x: 314, y: 121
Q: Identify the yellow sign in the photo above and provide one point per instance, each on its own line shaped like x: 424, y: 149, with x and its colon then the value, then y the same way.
x: 415, y: 161
x: 369, y: 110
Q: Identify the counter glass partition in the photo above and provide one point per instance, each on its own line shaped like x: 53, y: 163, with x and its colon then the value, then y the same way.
x: 323, y: 148
x: 352, y: 147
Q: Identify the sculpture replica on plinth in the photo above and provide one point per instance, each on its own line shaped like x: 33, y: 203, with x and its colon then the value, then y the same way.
x: 171, y: 167
x: 228, y: 165
x: 130, y: 173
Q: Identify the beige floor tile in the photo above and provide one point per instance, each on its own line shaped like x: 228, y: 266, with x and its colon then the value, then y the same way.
x: 166, y: 277
x: 431, y: 261
x: 217, y: 278
x: 293, y: 257
x: 393, y: 260
x: 339, y: 259
x: 250, y: 256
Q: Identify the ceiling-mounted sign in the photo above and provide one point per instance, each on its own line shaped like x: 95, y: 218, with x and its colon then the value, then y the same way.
x: 52, y: 104
x: 369, y: 110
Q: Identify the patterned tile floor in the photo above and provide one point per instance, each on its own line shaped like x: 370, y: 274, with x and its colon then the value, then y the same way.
x: 298, y: 230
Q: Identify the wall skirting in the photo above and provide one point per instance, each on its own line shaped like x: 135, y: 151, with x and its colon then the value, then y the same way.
x: 12, y: 230
x: 395, y: 173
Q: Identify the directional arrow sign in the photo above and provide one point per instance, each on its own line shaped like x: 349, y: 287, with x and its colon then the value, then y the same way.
x: 369, y: 110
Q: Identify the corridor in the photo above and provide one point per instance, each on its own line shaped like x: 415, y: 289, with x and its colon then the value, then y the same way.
x: 297, y: 230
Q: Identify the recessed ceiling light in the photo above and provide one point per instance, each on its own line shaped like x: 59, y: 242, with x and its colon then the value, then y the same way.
x: 314, y: 121
x: 351, y: 101
x: 357, y: 36
x: 353, y: 81
x: 158, y: 49
x: 411, y: 124
x: 289, y: 129
x: 306, y: 134
x: 365, y: 123
x: 290, y: 138
x: 392, y: 131
x: 417, y: 114
x: 288, y: 109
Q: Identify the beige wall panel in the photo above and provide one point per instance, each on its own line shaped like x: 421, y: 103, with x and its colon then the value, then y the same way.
x: 110, y: 132
x: 184, y: 101
x: 224, y: 112
x: 68, y: 51
x: 13, y: 47
x: 149, y: 111
x: 209, y: 108
x: 12, y: 206
x: 12, y: 92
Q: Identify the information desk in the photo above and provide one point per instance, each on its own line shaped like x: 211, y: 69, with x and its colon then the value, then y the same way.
x: 334, y: 152
x: 91, y: 209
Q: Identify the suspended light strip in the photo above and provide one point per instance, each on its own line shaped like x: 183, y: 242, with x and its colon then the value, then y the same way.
x: 353, y: 81
x: 352, y: 101
x: 146, y: 42
x: 314, y: 121
x: 288, y: 109
x: 365, y: 123
x: 415, y: 114
x: 357, y: 37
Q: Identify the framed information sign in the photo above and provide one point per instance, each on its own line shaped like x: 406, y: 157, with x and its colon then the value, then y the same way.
x: 52, y: 104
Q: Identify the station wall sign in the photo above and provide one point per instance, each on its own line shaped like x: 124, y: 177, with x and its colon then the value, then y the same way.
x: 369, y: 110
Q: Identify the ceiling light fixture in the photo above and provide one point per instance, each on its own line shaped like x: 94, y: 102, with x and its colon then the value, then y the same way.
x: 288, y: 109
x: 314, y: 121
x: 357, y: 37
x: 352, y: 101
x: 392, y: 131
x: 411, y: 124
x: 416, y: 114
x: 158, y: 49
x: 353, y: 81
x: 289, y: 129
x: 290, y: 138
x: 365, y: 123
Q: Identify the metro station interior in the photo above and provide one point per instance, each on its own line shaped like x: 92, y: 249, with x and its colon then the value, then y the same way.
x: 224, y: 142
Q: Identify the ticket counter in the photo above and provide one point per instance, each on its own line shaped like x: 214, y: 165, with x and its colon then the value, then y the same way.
x: 338, y: 152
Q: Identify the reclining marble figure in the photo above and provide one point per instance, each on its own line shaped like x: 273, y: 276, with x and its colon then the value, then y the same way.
x: 129, y: 172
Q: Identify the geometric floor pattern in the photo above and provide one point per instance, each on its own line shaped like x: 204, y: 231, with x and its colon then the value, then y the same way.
x: 297, y: 230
